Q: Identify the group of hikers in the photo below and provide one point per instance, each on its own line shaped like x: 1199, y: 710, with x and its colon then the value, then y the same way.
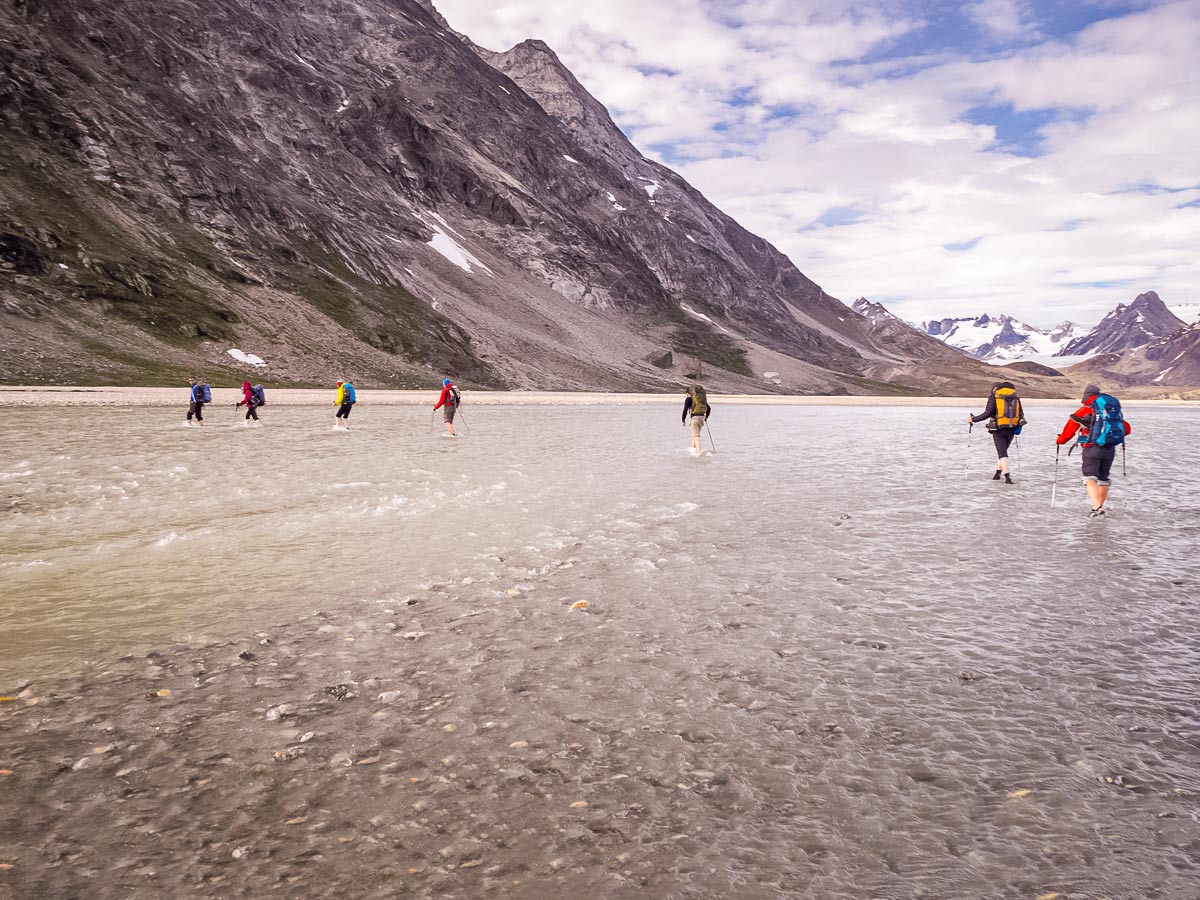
x: 254, y: 397
x: 1098, y: 427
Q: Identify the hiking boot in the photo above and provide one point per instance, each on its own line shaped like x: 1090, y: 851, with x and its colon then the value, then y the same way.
x: 1008, y: 479
x: 996, y: 476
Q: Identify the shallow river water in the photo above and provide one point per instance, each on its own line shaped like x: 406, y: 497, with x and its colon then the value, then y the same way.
x: 881, y: 674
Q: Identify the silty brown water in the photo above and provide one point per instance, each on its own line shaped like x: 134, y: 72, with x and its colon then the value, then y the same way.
x: 820, y: 662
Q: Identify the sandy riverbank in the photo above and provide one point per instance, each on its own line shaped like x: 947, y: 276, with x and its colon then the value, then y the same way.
x: 13, y: 396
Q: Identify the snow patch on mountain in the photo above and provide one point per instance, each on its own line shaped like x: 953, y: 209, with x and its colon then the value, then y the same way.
x: 450, y: 248
x: 248, y: 358
x: 699, y: 315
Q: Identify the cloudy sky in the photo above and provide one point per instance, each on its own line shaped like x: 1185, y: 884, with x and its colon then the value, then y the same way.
x: 947, y: 158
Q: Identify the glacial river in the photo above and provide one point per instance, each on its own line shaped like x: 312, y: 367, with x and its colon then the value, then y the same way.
x: 917, y: 681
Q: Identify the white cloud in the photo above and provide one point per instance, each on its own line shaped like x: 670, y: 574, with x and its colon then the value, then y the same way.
x: 1001, y: 17
x: 780, y: 110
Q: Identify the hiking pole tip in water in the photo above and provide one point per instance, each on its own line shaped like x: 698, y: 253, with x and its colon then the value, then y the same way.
x: 1054, y: 489
x: 967, y: 459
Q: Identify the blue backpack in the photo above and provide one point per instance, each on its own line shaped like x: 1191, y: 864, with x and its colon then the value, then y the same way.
x: 348, y: 395
x: 1108, y: 424
x: 260, y: 396
x: 205, y: 394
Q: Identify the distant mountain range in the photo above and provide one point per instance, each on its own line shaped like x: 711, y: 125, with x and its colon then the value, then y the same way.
x: 1002, y: 338
x: 1142, y: 343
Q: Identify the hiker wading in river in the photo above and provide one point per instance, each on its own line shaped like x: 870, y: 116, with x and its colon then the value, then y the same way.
x: 696, y: 404
x: 448, y: 402
x: 1005, y: 417
x: 1101, y: 426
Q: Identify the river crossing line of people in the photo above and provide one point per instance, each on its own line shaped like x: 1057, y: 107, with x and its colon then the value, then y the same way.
x: 1098, y: 426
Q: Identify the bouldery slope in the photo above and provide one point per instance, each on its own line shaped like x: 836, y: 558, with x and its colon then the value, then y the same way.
x: 356, y: 189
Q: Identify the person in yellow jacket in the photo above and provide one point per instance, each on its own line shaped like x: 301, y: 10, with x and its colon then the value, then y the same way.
x: 346, y: 398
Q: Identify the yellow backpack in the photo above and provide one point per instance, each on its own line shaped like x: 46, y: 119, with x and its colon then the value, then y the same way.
x: 1008, y: 409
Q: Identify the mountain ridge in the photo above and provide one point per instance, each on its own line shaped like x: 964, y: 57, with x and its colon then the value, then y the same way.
x: 1132, y: 325
x: 365, y: 193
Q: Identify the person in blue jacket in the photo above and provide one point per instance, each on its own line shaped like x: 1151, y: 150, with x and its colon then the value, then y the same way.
x: 197, y: 401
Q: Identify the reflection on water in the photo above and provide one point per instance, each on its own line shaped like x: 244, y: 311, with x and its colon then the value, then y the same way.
x: 940, y: 641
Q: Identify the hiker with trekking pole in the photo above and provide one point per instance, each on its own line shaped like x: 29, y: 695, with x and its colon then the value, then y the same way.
x: 1100, y: 426
x: 1005, y: 417
x: 448, y: 402
x: 697, y: 404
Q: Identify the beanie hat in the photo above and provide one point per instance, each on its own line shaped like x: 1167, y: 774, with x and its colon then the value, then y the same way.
x: 1090, y: 391
x: 445, y: 382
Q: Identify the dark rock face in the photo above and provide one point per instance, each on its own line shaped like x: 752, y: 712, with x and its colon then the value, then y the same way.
x: 359, y: 190
x: 1143, y: 321
x: 1169, y: 362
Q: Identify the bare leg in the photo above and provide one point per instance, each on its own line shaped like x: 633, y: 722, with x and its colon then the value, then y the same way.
x: 1096, y: 494
x: 1102, y: 493
x: 450, y: 429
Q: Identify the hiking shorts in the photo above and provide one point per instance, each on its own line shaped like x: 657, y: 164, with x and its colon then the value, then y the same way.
x: 448, y: 412
x: 196, y: 408
x: 697, y: 424
x: 344, y: 411
x: 1097, y: 464
x: 1002, y: 438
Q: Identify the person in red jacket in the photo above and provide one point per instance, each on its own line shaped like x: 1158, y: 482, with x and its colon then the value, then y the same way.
x: 448, y: 402
x: 1097, y: 459
x: 249, y: 401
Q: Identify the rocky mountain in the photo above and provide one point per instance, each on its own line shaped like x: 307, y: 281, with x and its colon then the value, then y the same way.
x: 1002, y: 338
x: 1141, y: 322
x: 319, y: 187
x: 1171, y: 361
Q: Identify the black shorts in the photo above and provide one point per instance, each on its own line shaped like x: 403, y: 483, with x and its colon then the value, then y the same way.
x: 1002, y: 437
x: 344, y: 411
x: 1097, y: 463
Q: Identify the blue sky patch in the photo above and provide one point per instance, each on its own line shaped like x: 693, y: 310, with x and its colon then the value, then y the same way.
x: 962, y: 246
x: 1069, y: 225
x: 1017, y: 131
x: 836, y: 216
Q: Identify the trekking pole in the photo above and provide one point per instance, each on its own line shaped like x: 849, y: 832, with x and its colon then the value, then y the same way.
x: 1054, y: 490
x: 1123, y: 471
x: 708, y: 428
x: 464, y: 419
x: 967, y: 459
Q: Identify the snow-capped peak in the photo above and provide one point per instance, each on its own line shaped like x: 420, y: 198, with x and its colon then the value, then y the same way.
x: 1002, y: 339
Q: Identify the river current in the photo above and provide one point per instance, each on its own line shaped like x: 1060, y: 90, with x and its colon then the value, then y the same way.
x: 910, y: 680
